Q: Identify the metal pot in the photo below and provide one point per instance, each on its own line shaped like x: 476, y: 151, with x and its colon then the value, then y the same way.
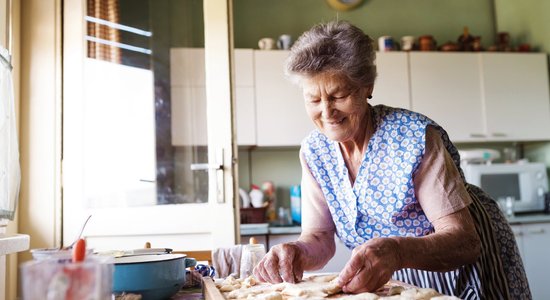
x: 154, y: 277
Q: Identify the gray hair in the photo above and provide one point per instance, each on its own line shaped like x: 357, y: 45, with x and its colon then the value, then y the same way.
x: 334, y: 47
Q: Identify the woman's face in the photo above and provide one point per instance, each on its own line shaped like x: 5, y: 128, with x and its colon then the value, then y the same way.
x: 337, y: 107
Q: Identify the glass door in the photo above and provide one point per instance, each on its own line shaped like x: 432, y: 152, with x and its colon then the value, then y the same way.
x: 147, y: 129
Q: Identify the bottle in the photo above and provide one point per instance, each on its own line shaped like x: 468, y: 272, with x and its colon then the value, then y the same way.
x: 250, y: 257
x: 269, y: 191
x: 296, y: 203
x: 256, y: 196
x: 466, y: 41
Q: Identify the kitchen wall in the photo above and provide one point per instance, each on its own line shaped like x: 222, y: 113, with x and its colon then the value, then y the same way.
x: 527, y: 21
x: 444, y: 19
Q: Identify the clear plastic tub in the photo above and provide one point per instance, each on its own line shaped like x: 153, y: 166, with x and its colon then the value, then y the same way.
x: 50, y: 279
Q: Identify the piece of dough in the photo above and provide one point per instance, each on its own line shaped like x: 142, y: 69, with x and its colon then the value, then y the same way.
x: 395, y: 290
x: 317, y: 287
x: 269, y: 296
x: 362, y: 296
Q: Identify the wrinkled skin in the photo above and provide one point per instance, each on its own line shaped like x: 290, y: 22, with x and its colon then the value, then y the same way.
x: 282, y: 263
x: 371, y: 265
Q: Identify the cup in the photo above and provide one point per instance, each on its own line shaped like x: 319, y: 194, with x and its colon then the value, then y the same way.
x: 385, y: 43
x: 284, y: 42
x: 266, y: 43
x: 426, y: 43
x: 407, y: 43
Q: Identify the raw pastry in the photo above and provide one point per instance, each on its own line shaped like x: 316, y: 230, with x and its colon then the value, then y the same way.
x: 362, y: 296
x: 315, y: 286
x: 270, y: 296
x: 395, y: 290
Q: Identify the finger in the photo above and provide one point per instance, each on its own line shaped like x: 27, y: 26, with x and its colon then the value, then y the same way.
x: 354, y: 265
x: 362, y: 282
x: 298, y: 274
x: 258, y: 272
x: 271, y: 267
x: 286, y: 266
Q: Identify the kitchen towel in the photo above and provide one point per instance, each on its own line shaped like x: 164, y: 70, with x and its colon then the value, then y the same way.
x: 227, y: 261
x: 10, y: 173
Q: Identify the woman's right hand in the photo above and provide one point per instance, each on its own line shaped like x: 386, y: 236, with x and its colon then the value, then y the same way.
x: 282, y: 263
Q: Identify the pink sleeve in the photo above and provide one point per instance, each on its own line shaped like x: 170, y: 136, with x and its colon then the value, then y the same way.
x: 315, y: 213
x: 439, y: 188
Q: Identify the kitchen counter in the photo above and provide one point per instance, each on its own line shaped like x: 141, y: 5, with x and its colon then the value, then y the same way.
x: 265, y: 229
x: 529, y: 218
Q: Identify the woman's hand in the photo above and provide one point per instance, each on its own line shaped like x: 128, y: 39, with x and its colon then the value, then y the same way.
x: 371, y: 265
x: 282, y: 263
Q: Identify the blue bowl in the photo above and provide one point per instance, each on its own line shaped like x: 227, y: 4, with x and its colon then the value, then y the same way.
x: 154, y: 277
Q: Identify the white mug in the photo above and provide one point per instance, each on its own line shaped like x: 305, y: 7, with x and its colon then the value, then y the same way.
x: 266, y: 43
x: 284, y: 42
x: 407, y: 43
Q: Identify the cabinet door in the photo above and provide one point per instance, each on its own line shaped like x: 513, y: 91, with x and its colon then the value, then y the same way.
x: 516, y: 96
x: 392, y: 86
x: 280, y: 112
x: 536, y: 242
x: 188, y: 97
x: 446, y: 87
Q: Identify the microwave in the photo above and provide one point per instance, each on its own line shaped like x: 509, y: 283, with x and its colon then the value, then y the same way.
x: 527, y: 183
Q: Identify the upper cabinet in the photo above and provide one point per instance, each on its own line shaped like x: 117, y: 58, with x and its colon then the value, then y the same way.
x: 476, y: 97
x: 280, y: 110
x: 392, y: 86
x: 446, y: 87
x: 483, y: 97
x: 515, y: 89
x: 188, y: 96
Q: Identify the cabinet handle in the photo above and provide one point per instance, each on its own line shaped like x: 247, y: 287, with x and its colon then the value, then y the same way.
x: 477, y: 135
x: 537, y: 231
x: 499, y: 134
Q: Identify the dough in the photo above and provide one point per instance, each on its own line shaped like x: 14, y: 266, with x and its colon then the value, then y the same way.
x: 362, y: 296
x: 270, y: 296
x: 314, y: 286
x: 395, y: 290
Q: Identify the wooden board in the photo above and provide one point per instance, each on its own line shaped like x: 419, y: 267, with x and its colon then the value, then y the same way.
x: 211, y: 292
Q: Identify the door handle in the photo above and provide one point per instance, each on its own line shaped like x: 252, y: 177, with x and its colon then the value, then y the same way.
x: 477, y: 135
x: 206, y: 167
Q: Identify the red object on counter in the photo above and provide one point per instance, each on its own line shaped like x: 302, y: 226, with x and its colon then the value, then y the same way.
x: 79, y: 251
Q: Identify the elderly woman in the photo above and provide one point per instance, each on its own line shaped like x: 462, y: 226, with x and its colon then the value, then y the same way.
x: 387, y: 181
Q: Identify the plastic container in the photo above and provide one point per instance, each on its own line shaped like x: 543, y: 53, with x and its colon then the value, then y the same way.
x: 296, y: 203
x: 50, y: 279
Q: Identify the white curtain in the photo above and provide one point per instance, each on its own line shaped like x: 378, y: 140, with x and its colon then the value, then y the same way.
x: 10, y: 173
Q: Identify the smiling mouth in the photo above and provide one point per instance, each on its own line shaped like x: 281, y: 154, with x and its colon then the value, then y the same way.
x: 335, y: 122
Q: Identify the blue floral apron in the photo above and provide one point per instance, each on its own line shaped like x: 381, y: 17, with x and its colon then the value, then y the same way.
x: 382, y: 203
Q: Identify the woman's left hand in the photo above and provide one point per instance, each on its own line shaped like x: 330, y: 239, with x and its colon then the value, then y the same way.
x: 371, y: 265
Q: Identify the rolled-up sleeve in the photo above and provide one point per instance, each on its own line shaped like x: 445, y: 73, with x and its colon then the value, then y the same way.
x: 438, y: 186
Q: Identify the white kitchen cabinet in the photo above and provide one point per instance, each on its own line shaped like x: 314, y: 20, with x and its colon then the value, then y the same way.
x: 446, y: 87
x: 483, y: 97
x: 188, y: 96
x: 533, y: 242
x: 392, y: 86
x: 516, y: 96
x: 280, y: 112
